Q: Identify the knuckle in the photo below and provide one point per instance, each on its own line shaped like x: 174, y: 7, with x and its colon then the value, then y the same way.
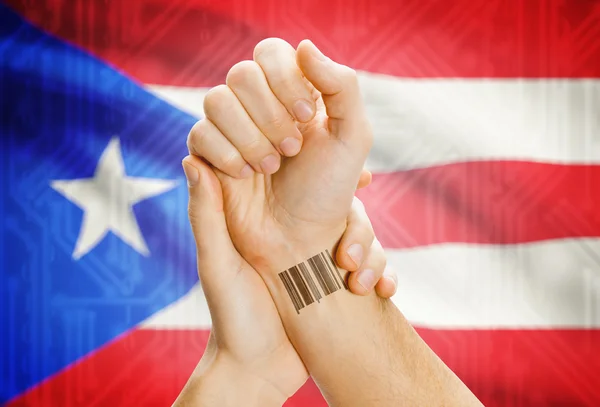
x: 216, y: 98
x: 290, y: 89
x: 190, y: 144
x: 241, y: 73
x: 284, y: 84
x: 268, y: 46
x: 196, y: 136
x: 251, y: 144
x: 349, y: 75
x: 276, y: 122
x: 365, y: 235
x: 192, y: 215
x: 228, y: 160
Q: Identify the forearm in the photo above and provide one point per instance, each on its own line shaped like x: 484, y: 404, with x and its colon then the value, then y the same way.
x: 362, y: 351
x: 218, y: 382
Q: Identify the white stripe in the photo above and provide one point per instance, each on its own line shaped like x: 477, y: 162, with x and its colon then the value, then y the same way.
x: 551, y: 284
x: 189, y: 312
x: 420, y: 123
x: 189, y: 100
x: 555, y: 283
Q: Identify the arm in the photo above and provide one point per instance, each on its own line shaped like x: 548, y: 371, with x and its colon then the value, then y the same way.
x: 248, y: 360
x: 360, y: 350
x: 217, y: 381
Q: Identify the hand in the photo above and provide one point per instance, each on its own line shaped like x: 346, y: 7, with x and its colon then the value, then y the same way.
x: 292, y: 210
x: 247, y: 331
x: 276, y: 205
x: 226, y: 157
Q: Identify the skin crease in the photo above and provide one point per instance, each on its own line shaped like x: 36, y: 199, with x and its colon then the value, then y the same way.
x: 360, y: 350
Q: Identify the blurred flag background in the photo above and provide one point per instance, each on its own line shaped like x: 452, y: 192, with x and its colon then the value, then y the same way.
x: 486, y: 189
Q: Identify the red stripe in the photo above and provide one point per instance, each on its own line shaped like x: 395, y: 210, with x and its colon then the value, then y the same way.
x: 194, y: 42
x: 484, y: 202
x: 141, y: 368
x: 523, y: 368
x: 504, y: 368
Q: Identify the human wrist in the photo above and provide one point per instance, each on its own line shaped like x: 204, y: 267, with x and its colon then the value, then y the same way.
x: 309, y: 276
x: 219, y: 380
x: 296, y: 247
x: 256, y: 389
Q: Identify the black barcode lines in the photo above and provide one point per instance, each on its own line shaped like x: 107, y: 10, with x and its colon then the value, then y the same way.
x: 289, y: 286
x: 311, y: 280
x: 307, y: 277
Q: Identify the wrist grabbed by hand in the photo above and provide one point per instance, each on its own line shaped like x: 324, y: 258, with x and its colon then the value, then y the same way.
x: 219, y: 380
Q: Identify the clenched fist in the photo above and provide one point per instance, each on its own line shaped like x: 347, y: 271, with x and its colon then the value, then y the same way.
x: 278, y: 212
x: 303, y: 105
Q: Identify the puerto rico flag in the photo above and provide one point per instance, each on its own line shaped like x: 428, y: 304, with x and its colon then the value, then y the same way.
x: 486, y: 189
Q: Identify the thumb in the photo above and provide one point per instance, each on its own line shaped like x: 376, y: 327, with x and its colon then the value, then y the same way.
x: 339, y: 88
x: 217, y: 257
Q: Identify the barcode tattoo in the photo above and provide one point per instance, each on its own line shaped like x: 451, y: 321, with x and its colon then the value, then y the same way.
x: 311, y: 280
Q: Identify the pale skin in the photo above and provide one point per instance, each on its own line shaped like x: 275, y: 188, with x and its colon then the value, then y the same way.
x: 359, y: 349
x: 253, y: 353
x: 248, y: 349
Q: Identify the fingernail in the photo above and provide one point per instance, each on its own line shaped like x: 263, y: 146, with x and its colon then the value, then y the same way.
x: 366, y: 278
x: 290, y: 146
x: 247, y: 171
x: 355, y: 252
x: 270, y: 164
x: 303, y: 110
x: 191, y: 174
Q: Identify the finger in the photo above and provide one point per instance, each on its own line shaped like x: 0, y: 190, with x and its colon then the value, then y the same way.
x: 277, y: 58
x: 247, y: 80
x: 365, y: 179
x: 363, y: 281
x: 218, y: 261
x: 357, y: 239
x: 338, y: 85
x: 223, y: 108
x: 388, y: 284
x: 206, y: 140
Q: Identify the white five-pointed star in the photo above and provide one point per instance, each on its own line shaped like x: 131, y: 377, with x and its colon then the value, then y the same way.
x: 107, y: 201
